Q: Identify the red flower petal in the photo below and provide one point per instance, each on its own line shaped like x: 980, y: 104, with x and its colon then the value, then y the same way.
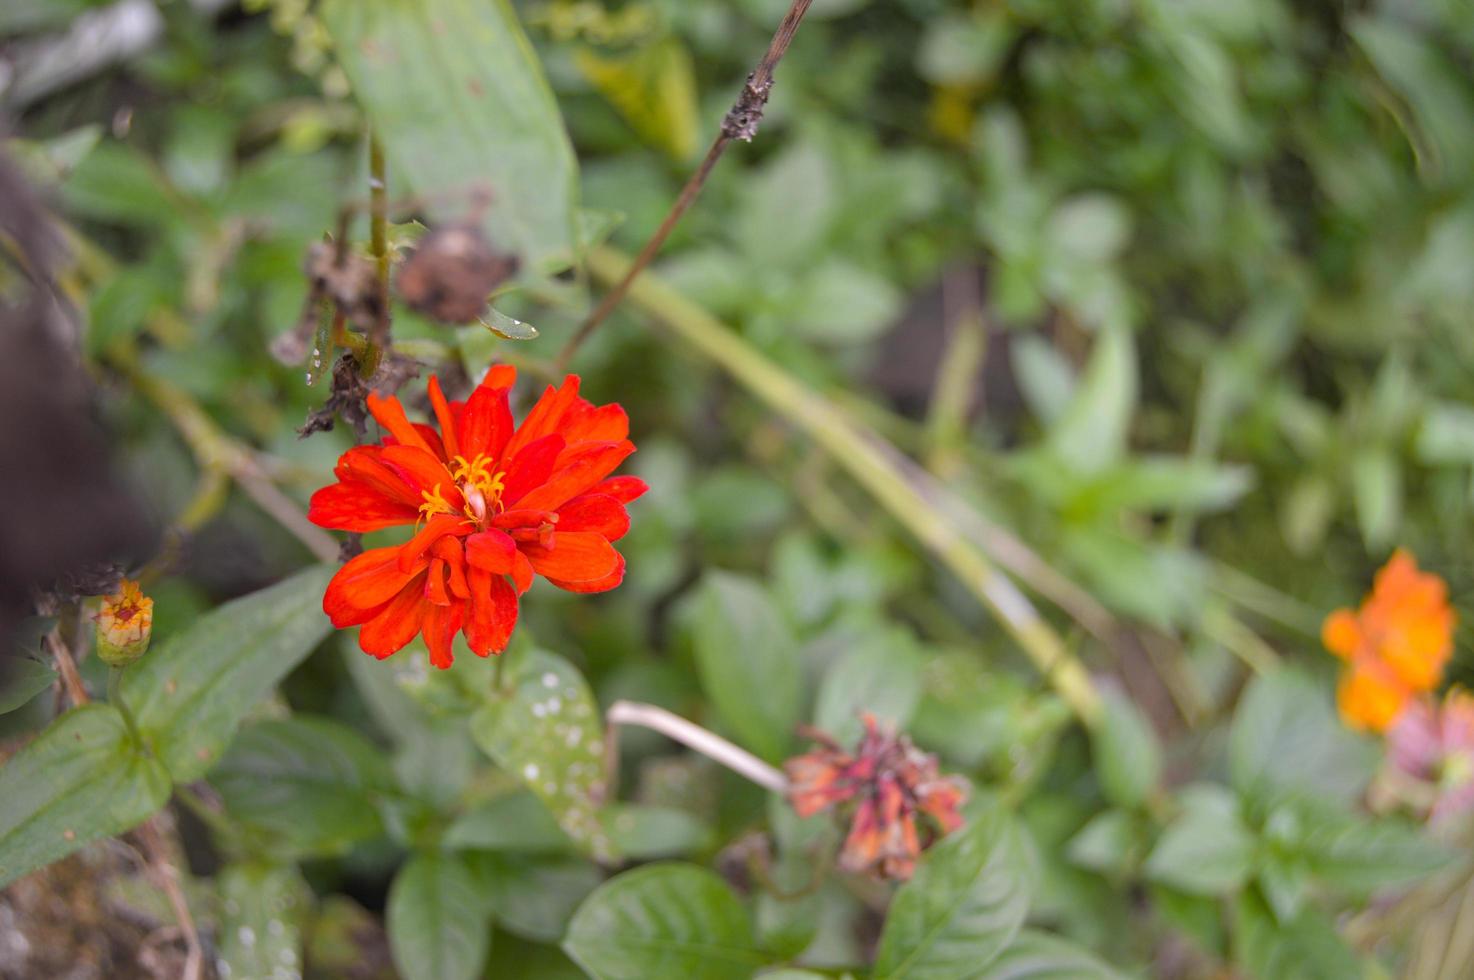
x: 357, y: 507
x: 486, y: 420
x: 492, y: 613
x: 424, y: 471
x: 362, y: 464
x: 531, y: 467
x: 585, y: 423
x: 363, y: 586
x: 576, y: 556
x: 622, y: 488
x: 390, y: 414
x: 449, y: 551
x: 437, y: 528
x: 441, y: 624
x: 546, y: 415
x: 597, y: 512
x: 396, y: 624
x: 491, y: 551
x: 435, y: 591
x: 598, y: 585
x: 444, y: 416
x: 586, y: 469
x: 521, y: 573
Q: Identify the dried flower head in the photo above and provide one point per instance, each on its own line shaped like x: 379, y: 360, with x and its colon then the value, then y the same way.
x: 491, y: 504
x: 452, y: 272
x: 890, y: 782
x: 1395, y: 645
x: 124, y: 625
x: 1433, y: 745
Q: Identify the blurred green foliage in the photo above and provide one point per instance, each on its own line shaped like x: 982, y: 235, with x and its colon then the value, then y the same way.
x: 1204, y: 270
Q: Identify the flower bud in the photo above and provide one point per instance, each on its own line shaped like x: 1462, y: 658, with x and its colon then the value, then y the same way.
x: 124, y: 625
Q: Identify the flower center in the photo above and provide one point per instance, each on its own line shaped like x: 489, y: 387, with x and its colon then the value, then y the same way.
x: 481, y: 487
x: 434, y: 504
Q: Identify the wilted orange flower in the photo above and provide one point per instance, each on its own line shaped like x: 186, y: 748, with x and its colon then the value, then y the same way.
x: 491, y: 504
x: 124, y: 625
x: 892, y: 780
x: 1395, y: 645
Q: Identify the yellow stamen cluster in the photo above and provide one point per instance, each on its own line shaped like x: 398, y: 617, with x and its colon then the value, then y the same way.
x: 477, y: 473
x: 434, y: 504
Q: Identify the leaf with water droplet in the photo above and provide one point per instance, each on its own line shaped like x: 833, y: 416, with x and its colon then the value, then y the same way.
x: 546, y: 731
x: 506, y: 327
x: 322, y: 347
x: 263, y: 906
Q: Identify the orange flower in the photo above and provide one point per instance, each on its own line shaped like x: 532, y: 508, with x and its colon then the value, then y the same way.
x: 892, y: 781
x: 491, y: 505
x: 124, y: 625
x: 1395, y: 645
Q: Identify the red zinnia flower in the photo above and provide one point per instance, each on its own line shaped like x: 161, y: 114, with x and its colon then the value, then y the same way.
x: 491, y: 505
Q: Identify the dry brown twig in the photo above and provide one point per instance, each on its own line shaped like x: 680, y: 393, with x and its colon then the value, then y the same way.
x: 740, y: 123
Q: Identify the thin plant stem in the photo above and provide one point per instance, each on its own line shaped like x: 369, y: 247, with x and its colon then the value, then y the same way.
x: 693, y: 736
x: 71, y: 680
x: 740, y: 123
x: 379, y: 236
x: 871, y: 463
x: 116, y: 699
x: 954, y: 391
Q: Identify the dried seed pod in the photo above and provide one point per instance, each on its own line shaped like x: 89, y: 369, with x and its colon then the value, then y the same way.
x: 452, y: 272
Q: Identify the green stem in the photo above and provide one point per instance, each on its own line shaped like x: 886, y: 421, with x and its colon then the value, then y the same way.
x: 115, y: 698
x: 866, y: 458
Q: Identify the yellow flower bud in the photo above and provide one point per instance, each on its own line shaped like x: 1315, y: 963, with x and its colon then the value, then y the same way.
x: 124, y: 625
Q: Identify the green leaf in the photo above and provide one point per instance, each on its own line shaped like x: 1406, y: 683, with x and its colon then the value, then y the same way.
x: 533, y: 897
x: 748, y: 661
x: 1359, y: 856
x: 654, y: 88
x: 841, y: 303
x: 1376, y: 485
x: 303, y: 785
x: 1091, y: 434
x: 454, y: 90
x: 117, y: 183
x: 1307, y: 947
x: 881, y: 676
x: 1128, y: 758
x: 963, y: 907
x: 546, y: 731
x: 663, y: 920
x: 24, y: 679
x: 1107, y: 843
x: 516, y: 822
x: 1041, y: 956
x: 1207, y: 849
x: 263, y: 907
x: 643, y: 833
x: 1044, y: 377
x: 437, y: 920
x: 190, y: 693
x: 1446, y: 434
x: 506, y: 327
x: 81, y: 779
x: 1285, y: 736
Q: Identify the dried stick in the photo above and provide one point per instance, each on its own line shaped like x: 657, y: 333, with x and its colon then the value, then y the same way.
x: 693, y: 736
x: 740, y: 123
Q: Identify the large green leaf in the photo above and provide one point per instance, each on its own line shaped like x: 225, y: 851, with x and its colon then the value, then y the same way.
x: 263, y: 907
x: 456, y: 93
x: 964, y: 906
x: 191, y: 692
x: 533, y: 897
x: 439, y: 928
x: 1306, y: 948
x: 1040, y: 956
x: 546, y: 732
x: 749, y: 664
x: 1359, y: 856
x: 663, y: 920
x: 81, y: 779
x: 1207, y: 849
x: 1286, y: 737
x: 303, y: 785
